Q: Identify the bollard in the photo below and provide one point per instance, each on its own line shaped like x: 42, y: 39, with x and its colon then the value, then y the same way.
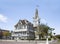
x: 47, y: 41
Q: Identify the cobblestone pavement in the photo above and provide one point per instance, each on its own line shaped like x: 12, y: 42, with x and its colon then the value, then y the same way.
x: 23, y: 42
x: 55, y: 42
x: 15, y: 43
x: 8, y: 42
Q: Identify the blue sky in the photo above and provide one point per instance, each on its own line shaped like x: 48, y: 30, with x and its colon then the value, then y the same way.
x: 13, y: 10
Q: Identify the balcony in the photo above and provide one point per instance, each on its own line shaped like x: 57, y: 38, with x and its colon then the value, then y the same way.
x: 19, y: 30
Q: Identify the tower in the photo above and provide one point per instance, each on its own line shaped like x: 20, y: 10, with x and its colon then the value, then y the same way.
x: 36, y: 19
x: 36, y: 23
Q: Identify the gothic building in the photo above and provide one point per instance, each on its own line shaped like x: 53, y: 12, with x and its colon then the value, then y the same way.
x: 25, y: 29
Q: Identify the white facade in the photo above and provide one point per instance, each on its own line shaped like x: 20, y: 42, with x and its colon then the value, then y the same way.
x: 36, y: 21
x: 23, y: 30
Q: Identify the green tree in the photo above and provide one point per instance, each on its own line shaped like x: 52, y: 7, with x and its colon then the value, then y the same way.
x: 6, y: 34
x: 44, y: 30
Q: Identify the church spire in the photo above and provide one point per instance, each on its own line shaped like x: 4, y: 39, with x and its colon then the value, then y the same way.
x: 36, y: 12
x: 36, y: 19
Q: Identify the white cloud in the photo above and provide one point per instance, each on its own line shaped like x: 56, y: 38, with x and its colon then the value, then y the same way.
x: 3, y: 18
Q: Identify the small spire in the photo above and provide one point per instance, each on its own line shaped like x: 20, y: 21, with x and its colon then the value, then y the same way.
x: 36, y: 13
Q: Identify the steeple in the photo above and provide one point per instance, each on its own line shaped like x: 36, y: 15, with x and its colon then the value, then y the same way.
x: 36, y: 19
x: 36, y: 23
x: 36, y: 13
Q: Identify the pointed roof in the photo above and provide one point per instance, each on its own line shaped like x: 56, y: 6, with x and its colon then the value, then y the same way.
x: 36, y: 13
x: 23, y: 22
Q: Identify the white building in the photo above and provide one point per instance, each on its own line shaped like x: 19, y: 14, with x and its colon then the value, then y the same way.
x: 36, y: 23
x: 23, y: 30
x: 26, y: 30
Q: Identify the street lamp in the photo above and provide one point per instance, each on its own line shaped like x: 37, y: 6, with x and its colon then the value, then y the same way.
x: 47, y: 42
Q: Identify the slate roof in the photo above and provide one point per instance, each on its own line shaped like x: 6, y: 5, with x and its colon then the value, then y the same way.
x: 23, y: 22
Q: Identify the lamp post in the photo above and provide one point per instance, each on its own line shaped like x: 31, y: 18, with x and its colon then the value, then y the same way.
x: 47, y: 42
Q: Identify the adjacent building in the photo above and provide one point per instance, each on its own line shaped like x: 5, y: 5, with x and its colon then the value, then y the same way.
x: 4, y: 34
x: 23, y: 30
